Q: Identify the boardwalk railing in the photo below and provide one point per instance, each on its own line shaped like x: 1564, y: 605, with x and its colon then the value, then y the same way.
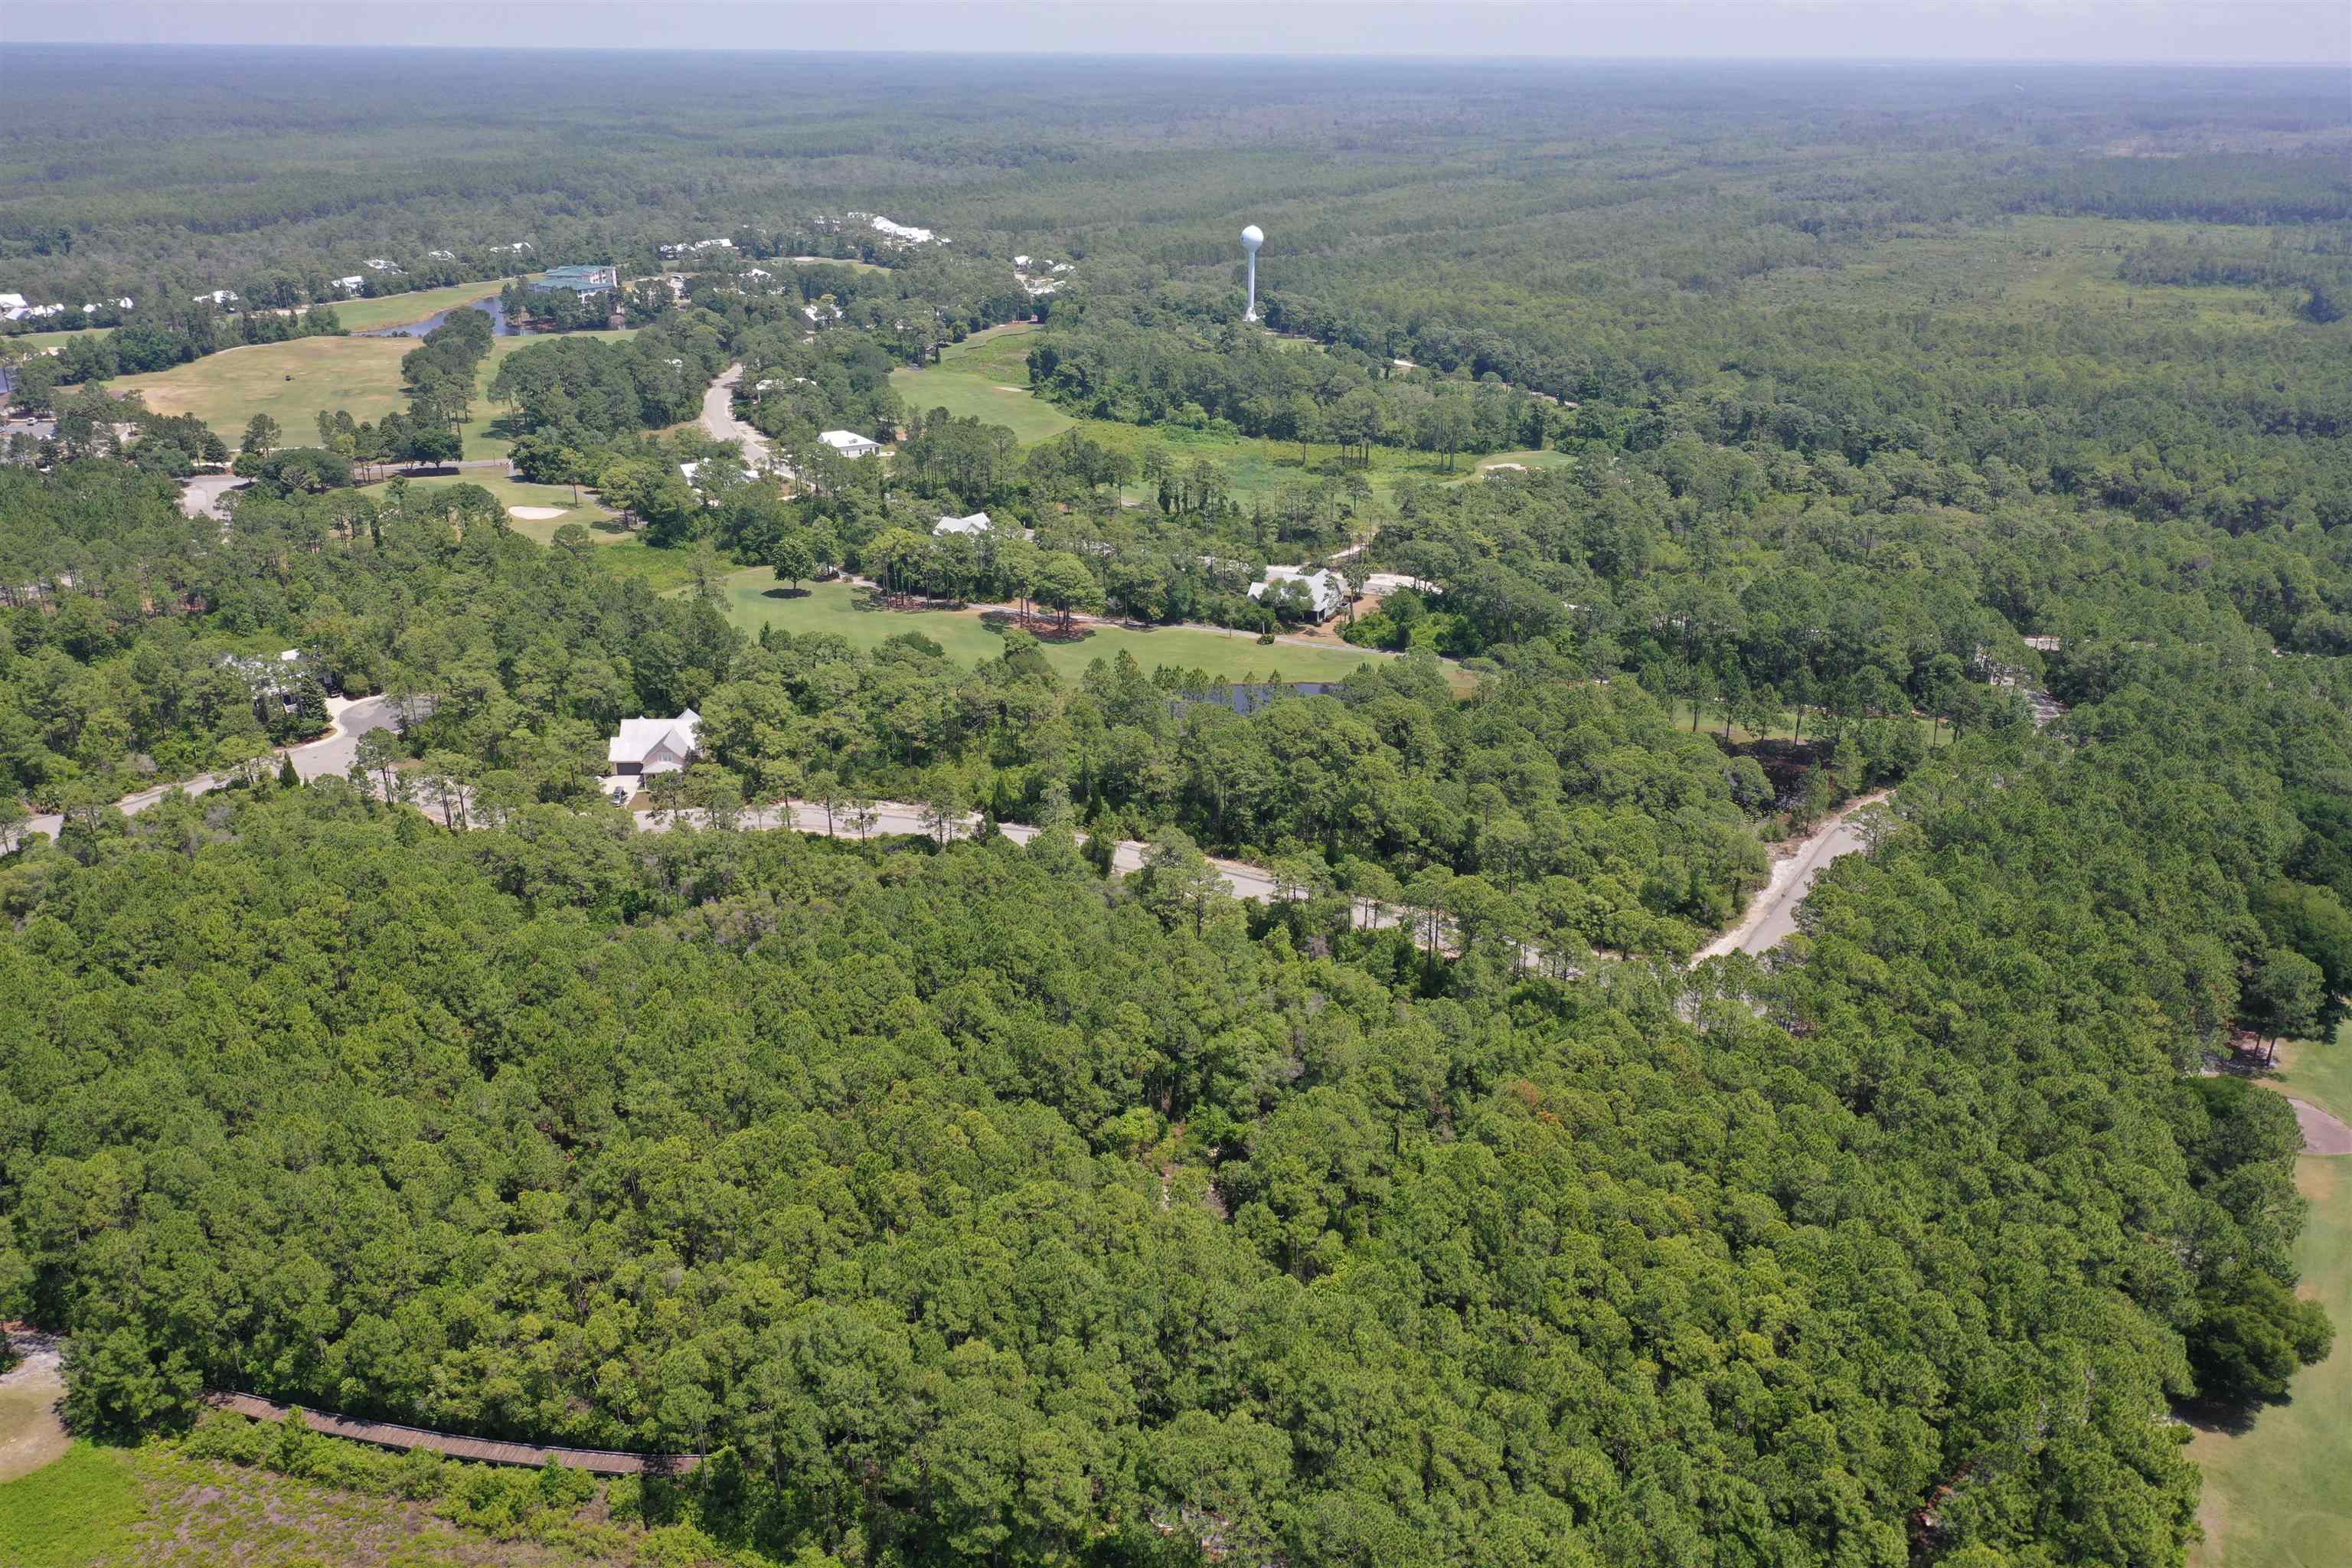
x: 384, y: 1435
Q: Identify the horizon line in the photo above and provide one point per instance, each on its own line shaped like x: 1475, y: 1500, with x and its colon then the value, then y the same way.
x: 1513, y: 58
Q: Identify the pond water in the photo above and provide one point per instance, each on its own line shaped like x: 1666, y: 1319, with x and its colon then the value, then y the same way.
x: 492, y: 307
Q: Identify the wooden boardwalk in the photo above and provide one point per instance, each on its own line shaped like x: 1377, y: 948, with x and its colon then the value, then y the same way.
x: 485, y: 1450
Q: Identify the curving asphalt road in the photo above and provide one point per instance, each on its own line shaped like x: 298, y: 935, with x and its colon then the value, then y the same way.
x: 329, y: 753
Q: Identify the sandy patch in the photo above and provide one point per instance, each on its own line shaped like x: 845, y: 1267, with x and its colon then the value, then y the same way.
x: 1002, y: 387
x: 31, y: 1435
x: 1514, y: 468
x: 534, y: 513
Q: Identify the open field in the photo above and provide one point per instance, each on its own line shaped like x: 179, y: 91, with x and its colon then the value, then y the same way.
x: 2035, y: 264
x: 830, y: 261
x: 399, y: 310
x: 155, y: 1506
x: 986, y: 377
x: 516, y: 492
x: 2277, y: 1493
x: 754, y: 600
x: 294, y: 382
x: 33, y: 342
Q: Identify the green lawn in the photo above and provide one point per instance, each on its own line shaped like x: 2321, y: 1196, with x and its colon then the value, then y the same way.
x: 33, y: 342
x: 603, y: 526
x: 986, y: 377
x: 293, y: 382
x: 754, y: 600
x: 2281, y: 1492
x: 399, y: 310
x: 84, y: 1507
x: 156, y: 1507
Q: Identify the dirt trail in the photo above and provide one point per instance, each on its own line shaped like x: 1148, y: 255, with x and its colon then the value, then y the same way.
x: 31, y: 1435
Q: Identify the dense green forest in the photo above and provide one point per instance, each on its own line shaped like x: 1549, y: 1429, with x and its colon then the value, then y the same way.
x: 1974, y: 434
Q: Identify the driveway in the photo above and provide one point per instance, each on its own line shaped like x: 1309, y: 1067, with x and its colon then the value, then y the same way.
x: 719, y: 421
x: 1771, y: 917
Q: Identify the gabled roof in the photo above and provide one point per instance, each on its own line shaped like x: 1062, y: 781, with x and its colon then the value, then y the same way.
x: 660, y: 744
x: 976, y: 524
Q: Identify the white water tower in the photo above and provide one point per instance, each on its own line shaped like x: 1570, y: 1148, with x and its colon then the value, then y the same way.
x: 1252, y: 237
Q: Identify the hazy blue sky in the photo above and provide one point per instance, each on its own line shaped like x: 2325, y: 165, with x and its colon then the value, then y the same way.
x: 2306, y: 32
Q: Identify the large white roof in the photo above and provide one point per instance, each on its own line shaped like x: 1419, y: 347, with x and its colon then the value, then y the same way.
x: 658, y: 744
x: 976, y: 524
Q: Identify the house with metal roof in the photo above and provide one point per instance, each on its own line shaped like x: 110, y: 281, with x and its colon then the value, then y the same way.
x: 580, y: 279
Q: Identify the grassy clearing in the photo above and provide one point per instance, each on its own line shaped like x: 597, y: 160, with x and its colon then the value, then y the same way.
x: 156, y: 1507
x: 84, y: 1510
x: 986, y: 377
x: 2277, y: 1493
x: 665, y: 571
x: 294, y: 382
x: 755, y: 599
x: 399, y: 310
x: 2034, y: 265
x: 291, y: 382
x: 603, y: 526
x: 33, y: 342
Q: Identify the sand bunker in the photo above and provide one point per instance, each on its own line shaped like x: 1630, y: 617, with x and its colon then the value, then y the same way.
x: 534, y: 513
x: 1515, y: 468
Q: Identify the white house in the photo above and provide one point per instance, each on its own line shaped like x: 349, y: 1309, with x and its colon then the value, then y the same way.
x: 1390, y: 581
x: 758, y: 272
x: 217, y: 297
x: 441, y: 255
x: 821, y: 314
x: 905, y: 231
x: 977, y: 523
x: 12, y: 302
x: 1327, y: 591
x: 646, y: 746
x: 849, y: 443
x: 378, y: 264
x: 353, y: 284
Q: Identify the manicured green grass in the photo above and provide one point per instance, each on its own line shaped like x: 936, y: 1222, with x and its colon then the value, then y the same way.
x: 2281, y: 1492
x: 79, y: 1510
x: 33, y: 342
x: 293, y: 382
x: 603, y: 526
x: 755, y: 599
x: 399, y: 310
x: 986, y: 377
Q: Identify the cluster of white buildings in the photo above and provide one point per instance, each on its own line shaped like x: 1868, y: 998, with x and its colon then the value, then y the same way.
x: 905, y: 233
x: 1037, y: 276
x: 16, y: 308
x: 690, y: 246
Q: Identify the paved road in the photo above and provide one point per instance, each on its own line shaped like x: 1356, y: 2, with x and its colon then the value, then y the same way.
x: 1771, y: 917
x: 719, y: 421
x: 329, y: 753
